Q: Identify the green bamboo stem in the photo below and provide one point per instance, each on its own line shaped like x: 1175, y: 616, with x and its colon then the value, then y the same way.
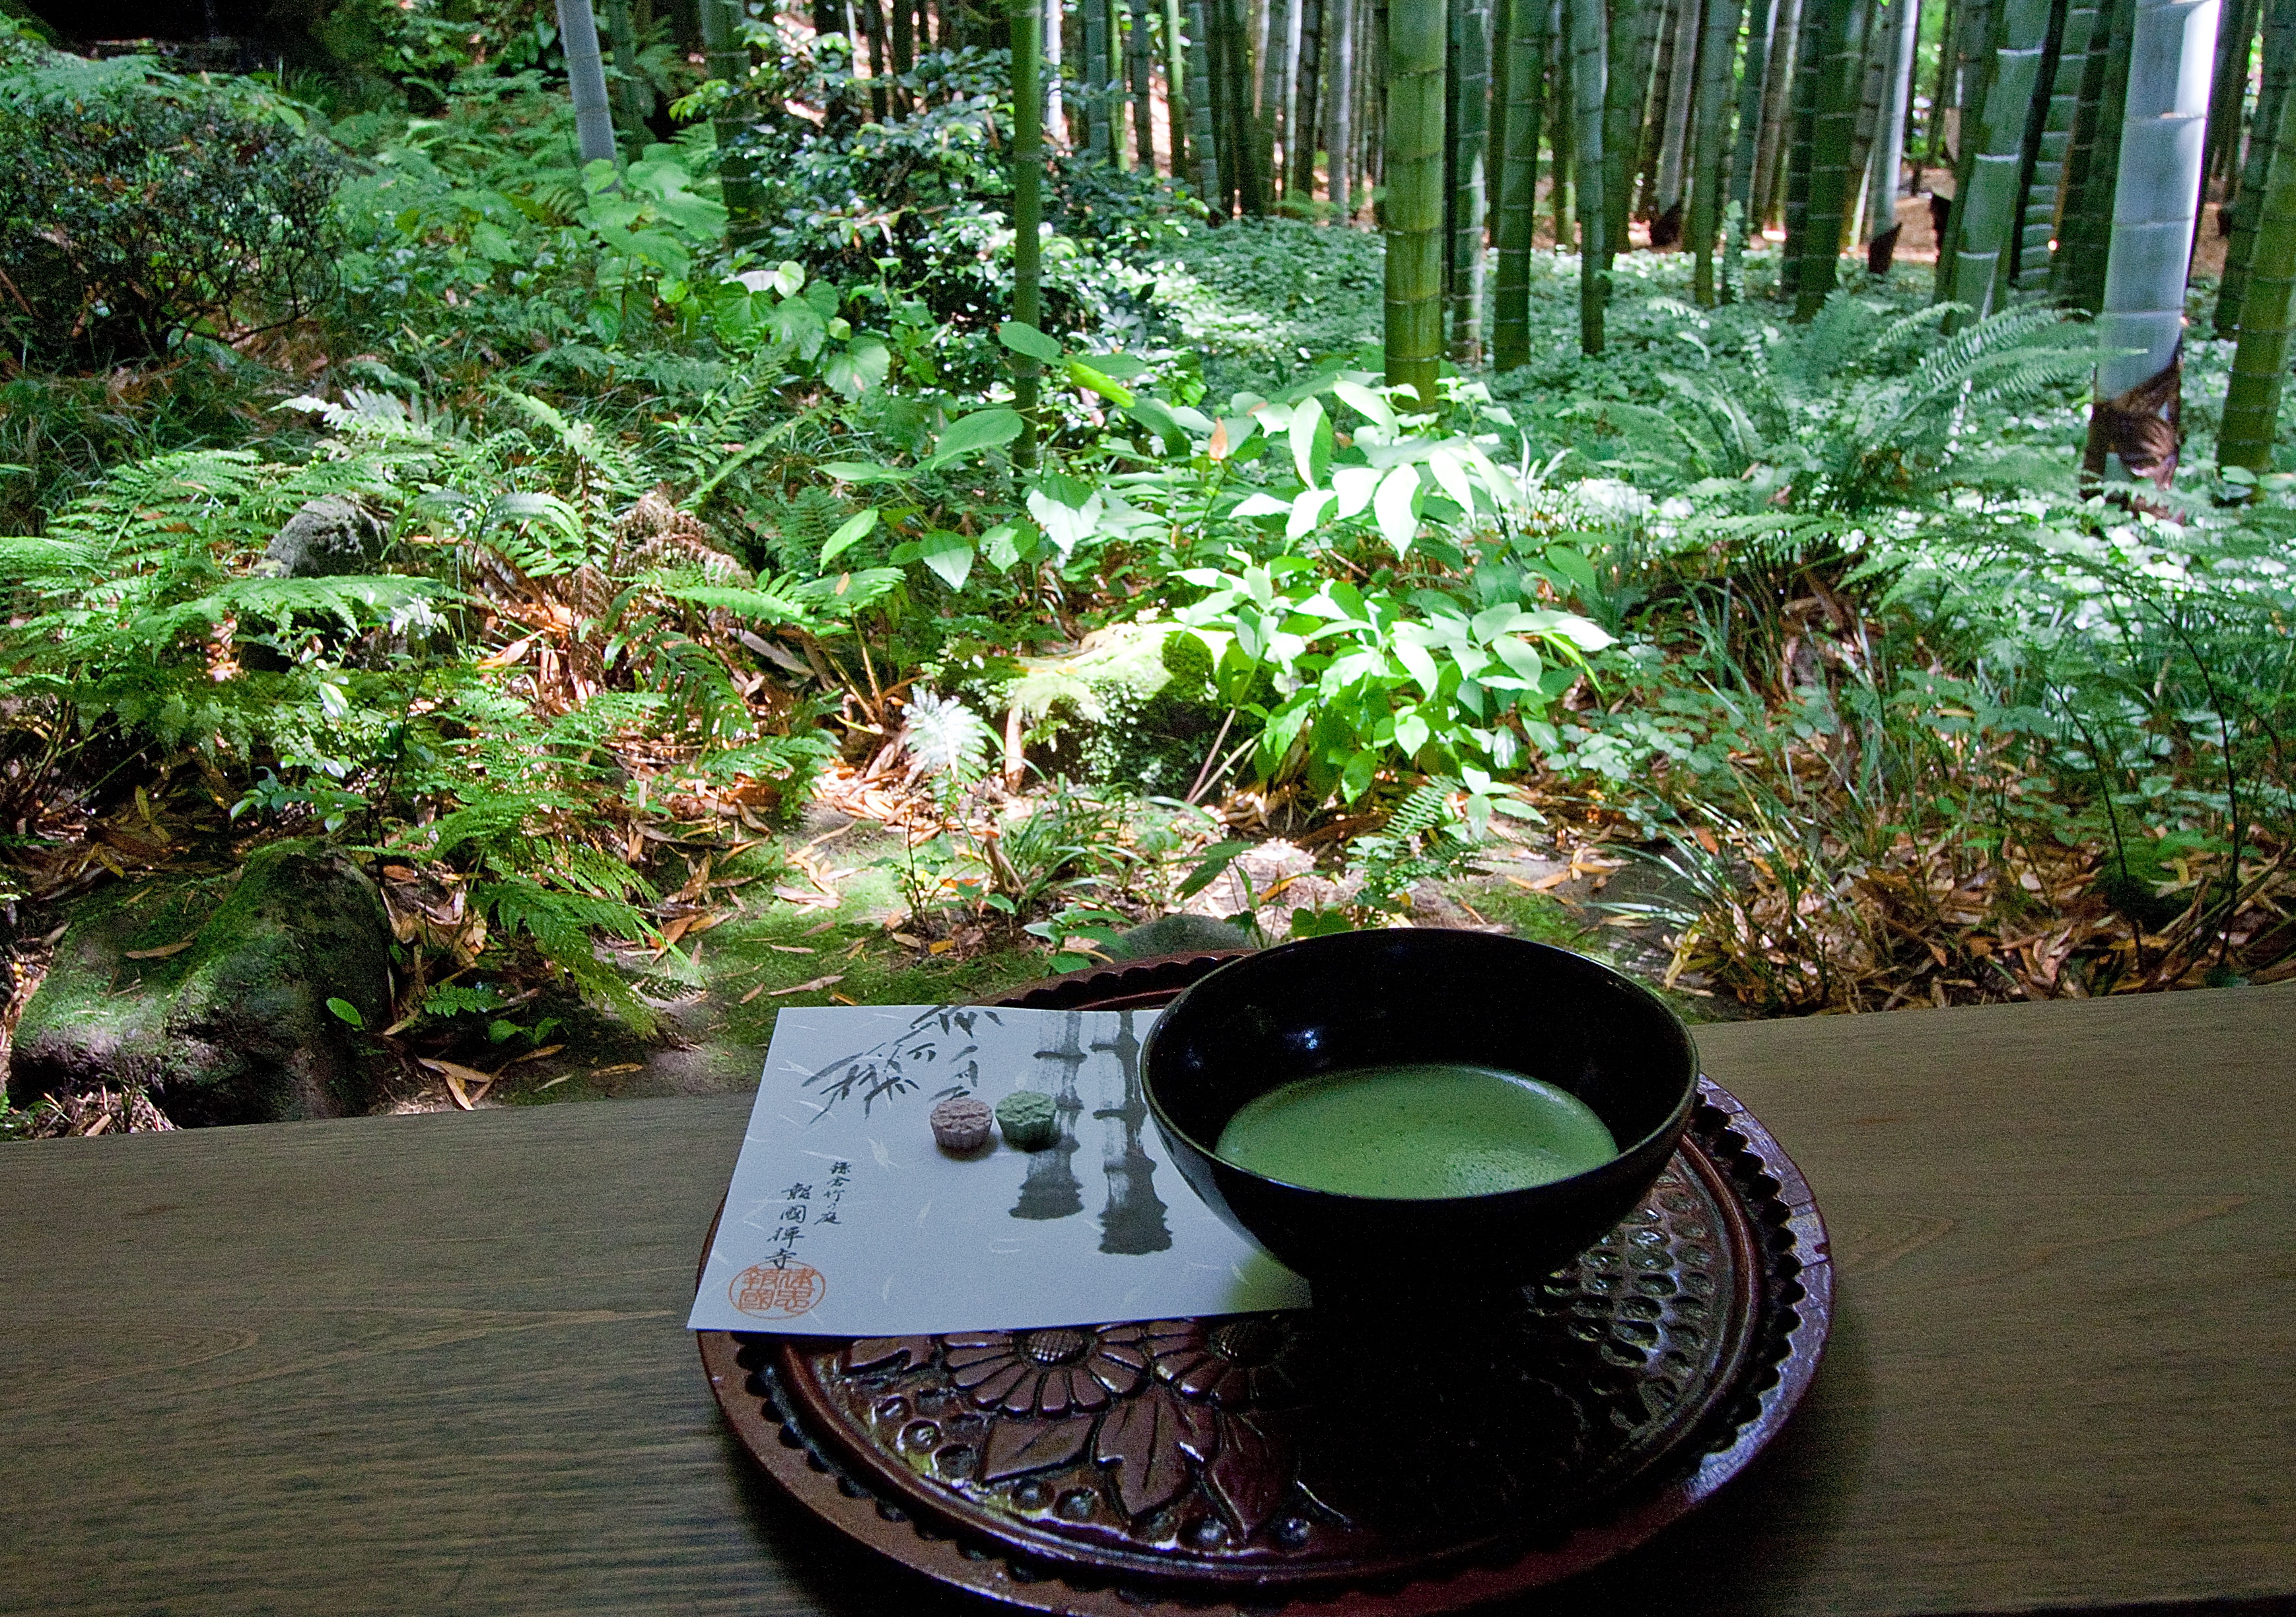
x: 585, y: 74
x: 2236, y: 21
x: 1762, y: 23
x: 1273, y: 48
x: 1254, y: 180
x: 1818, y: 23
x: 1889, y: 148
x: 1177, y: 116
x: 1633, y: 62
x: 1681, y: 95
x: 1470, y: 147
x: 1140, y: 64
x: 1203, y: 150
x: 1988, y: 208
x: 2045, y: 186
x: 1865, y: 124
x: 1099, y: 134
x: 1840, y: 92
x: 1301, y: 135
x: 2078, y: 275
x: 2156, y: 197
x: 1974, y: 42
x: 1589, y: 92
x: 1522, y: 64
x: 2259, y: 366
x: 2248, y: 203
x: 1342, y: 145
x: 1709, y: 176
x: 1028, y: 212
x: 1561, y: 187
x: 1415, y: 30
x: 1782, y: 77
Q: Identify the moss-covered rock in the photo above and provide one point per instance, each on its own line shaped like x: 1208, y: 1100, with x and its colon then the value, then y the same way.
x: 213, y: 995
x: 1132, y: 703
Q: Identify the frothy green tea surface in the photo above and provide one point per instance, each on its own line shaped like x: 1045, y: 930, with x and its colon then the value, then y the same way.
x: 1417, y: 1132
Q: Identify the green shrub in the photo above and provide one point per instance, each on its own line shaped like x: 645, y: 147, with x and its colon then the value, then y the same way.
x: 135, y: 206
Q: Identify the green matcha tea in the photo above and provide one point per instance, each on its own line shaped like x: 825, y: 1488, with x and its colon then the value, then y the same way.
x: 1417, y: 1132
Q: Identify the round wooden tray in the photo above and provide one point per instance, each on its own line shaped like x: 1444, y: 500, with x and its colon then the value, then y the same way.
x: 1367, y: 1462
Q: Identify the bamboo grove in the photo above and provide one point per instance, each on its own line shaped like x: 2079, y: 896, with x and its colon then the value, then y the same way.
x: 2064, y: 151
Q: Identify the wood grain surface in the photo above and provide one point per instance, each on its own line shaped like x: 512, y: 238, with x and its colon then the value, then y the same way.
x: 436, y: 1364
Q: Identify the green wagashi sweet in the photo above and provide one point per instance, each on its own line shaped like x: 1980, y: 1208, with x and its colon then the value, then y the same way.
x: 1029, y: 1120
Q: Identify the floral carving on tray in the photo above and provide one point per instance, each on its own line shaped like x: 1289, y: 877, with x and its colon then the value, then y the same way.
x: 1293, y: 1440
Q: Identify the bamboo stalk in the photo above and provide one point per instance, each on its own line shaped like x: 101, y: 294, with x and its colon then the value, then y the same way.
x: 1295, y: 30
x: 1203, y: 148
x: 2045, y: 184
x: 1053, y: 26
x: 1307, y: 103
x: 586, y: 73
x: 1559, y: 186
x: 1777, y: 108
x: 2156, y: 197
x: 2259, y: 366
x: 2077, y: 275
x: 1140, y: 62
x: 1890, y: 151
x: 1471, y: 42
x: 1523, y: 73
x: 1745, y: 152
x: 1682, y: 86
x: 1632, y: 62
x: 2248, y: 204
x: 1274, y: 39
x: 1099, y: 137
x: 1176, y: 115
x: 1710, y: 177
x: 1026, y: 18
x: 1840, y: 90
x: 1866, y: 125
x: 2228, y: 97
x: 1590, y: 94
x: 1800, y: 153
x: 1973, y: 71
x: 1990, y: 206
x: 1415, y: 30
x: 1340, y: 142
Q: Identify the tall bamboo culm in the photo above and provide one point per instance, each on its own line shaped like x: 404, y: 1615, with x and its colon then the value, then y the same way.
x: 1140, y: 69
x: 2259, y: 366
x: 1340, y: 142
x: 1972, y: 72
x: 2248, y: 204
x: 1522, y: 78
x: 1302, y: 134
x: 2163, y: 136
x: 1989, y: 205
x: 1028, y: 211
x: 1762, y: 22
x: 1632, y: 62
x: 2092, y: 162
x: 1840, y: 92
x: 1801, y: 144
x: 1176, y: 93
x: 1469, y: 152
x: 1681, y: 95
x: 2078, y: 31
x: 1709, y: 171
x: 586, y: 73
x: 1203, y: 152
x: 1415, y: 30
x: 1589, y: 92
x: 1890, y: 143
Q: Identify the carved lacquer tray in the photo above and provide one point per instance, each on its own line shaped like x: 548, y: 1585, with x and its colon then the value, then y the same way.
x: 1344, y: 1464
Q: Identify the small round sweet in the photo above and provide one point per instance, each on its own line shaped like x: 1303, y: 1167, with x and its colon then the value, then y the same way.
x: 960, y: 1123
x: 1028, y: 1119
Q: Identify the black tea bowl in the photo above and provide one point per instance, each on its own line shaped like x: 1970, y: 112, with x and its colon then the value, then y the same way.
x: 1416, y: 995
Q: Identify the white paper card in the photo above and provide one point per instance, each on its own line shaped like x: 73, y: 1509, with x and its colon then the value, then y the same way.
x: 845, y: 1220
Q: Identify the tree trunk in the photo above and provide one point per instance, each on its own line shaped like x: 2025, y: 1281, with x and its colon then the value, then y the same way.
x: 1099, y: 138
x: 1974, y: 42
x: 904, y: 36
x: 1710, y: 173
x: 629, y: 115
x: 1745, y: 152
x: 1889, y: 151
x: 1782, y: 79
x: 1988, y: 209
x: 1940, y: 88
x: 1203, y: 149
x: 1028, y: 211
x: 2235, y: 42
x: 1140, y: 57
x: 1275, y: 52
x: 1560, y: 184
x: 1307, y: 63
x: 2248, y: 203
x: 2045, y: 188
x: 1523, y: 73
x: 1840, y: 90
x: 1253, y: 181
x: 1415, y: 30
x: 1809, y: 68
x: 1341, y: 142
x: 1872, y: 77
x: 1632, y: 60
x: 2163, y: 140
x: 1681, y: 90
x: 1295, y: 33
x: 586, y: 73
x: 1052, y: 27
x: 1471, y: 159
x: 1178, y: 117
x: 2259, y: 366
x: 1590, y: 96
x: 2092, y: 167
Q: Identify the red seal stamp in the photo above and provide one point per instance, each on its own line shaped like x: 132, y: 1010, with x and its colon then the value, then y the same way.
x: 778, y: 1293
